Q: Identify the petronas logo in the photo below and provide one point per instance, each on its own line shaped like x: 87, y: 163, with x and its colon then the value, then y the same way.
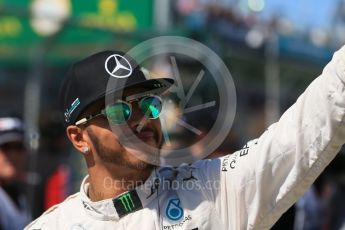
x: 174, y: 210
x: 127, y: 202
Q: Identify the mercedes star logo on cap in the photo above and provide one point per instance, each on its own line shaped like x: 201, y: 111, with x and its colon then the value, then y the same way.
x: 118, y: 66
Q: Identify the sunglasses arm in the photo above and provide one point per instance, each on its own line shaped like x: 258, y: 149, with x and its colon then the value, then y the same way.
x: 81, y: 121
x: 86, y: 119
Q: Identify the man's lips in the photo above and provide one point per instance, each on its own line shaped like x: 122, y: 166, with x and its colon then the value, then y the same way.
x: 146, y: 135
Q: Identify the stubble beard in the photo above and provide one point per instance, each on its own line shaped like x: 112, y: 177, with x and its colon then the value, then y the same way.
x: 108, y: 155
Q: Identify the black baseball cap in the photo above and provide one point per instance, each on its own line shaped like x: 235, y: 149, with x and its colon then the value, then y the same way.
x: 11, y: 129
x: 101, y: 74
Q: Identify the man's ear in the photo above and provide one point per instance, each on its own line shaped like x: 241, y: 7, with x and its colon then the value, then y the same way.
x: 76, y: 135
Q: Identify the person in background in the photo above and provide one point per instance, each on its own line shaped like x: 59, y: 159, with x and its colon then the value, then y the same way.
x: 14, y: 212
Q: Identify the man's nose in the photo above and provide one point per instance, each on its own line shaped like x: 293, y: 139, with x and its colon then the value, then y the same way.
x: 138, y: 117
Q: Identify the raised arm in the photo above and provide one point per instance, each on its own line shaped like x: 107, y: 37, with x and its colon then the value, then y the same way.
x: 261, y: 181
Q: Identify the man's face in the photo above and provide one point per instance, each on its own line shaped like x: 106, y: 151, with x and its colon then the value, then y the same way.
x: 12, y: 160
x: 110, y: 146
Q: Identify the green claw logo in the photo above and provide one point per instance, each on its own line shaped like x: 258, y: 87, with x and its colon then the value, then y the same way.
x: 127, y: 202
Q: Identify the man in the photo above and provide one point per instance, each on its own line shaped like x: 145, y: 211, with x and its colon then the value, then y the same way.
x: 249, y: 189
x: 13, y: 207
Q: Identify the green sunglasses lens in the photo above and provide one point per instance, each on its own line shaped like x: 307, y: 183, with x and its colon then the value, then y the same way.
x: 118, y: 113
x: 151, y: 107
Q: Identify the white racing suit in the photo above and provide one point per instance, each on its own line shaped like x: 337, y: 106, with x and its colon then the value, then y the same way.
x: 249, y: 189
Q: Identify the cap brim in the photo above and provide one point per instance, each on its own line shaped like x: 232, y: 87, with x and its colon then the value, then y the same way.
x: 11, y: 137
x: 155, y: 86
x: 160, y: 85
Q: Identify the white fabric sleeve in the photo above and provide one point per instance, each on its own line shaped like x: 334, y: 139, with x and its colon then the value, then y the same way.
x: 261, y: 181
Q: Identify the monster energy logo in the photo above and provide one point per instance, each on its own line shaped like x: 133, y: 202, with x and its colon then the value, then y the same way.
x: 127, y: 203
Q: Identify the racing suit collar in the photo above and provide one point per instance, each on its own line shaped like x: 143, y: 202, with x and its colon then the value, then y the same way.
x: 110, y: 209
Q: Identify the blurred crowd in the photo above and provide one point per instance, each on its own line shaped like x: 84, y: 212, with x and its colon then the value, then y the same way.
x: 14, y: 206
